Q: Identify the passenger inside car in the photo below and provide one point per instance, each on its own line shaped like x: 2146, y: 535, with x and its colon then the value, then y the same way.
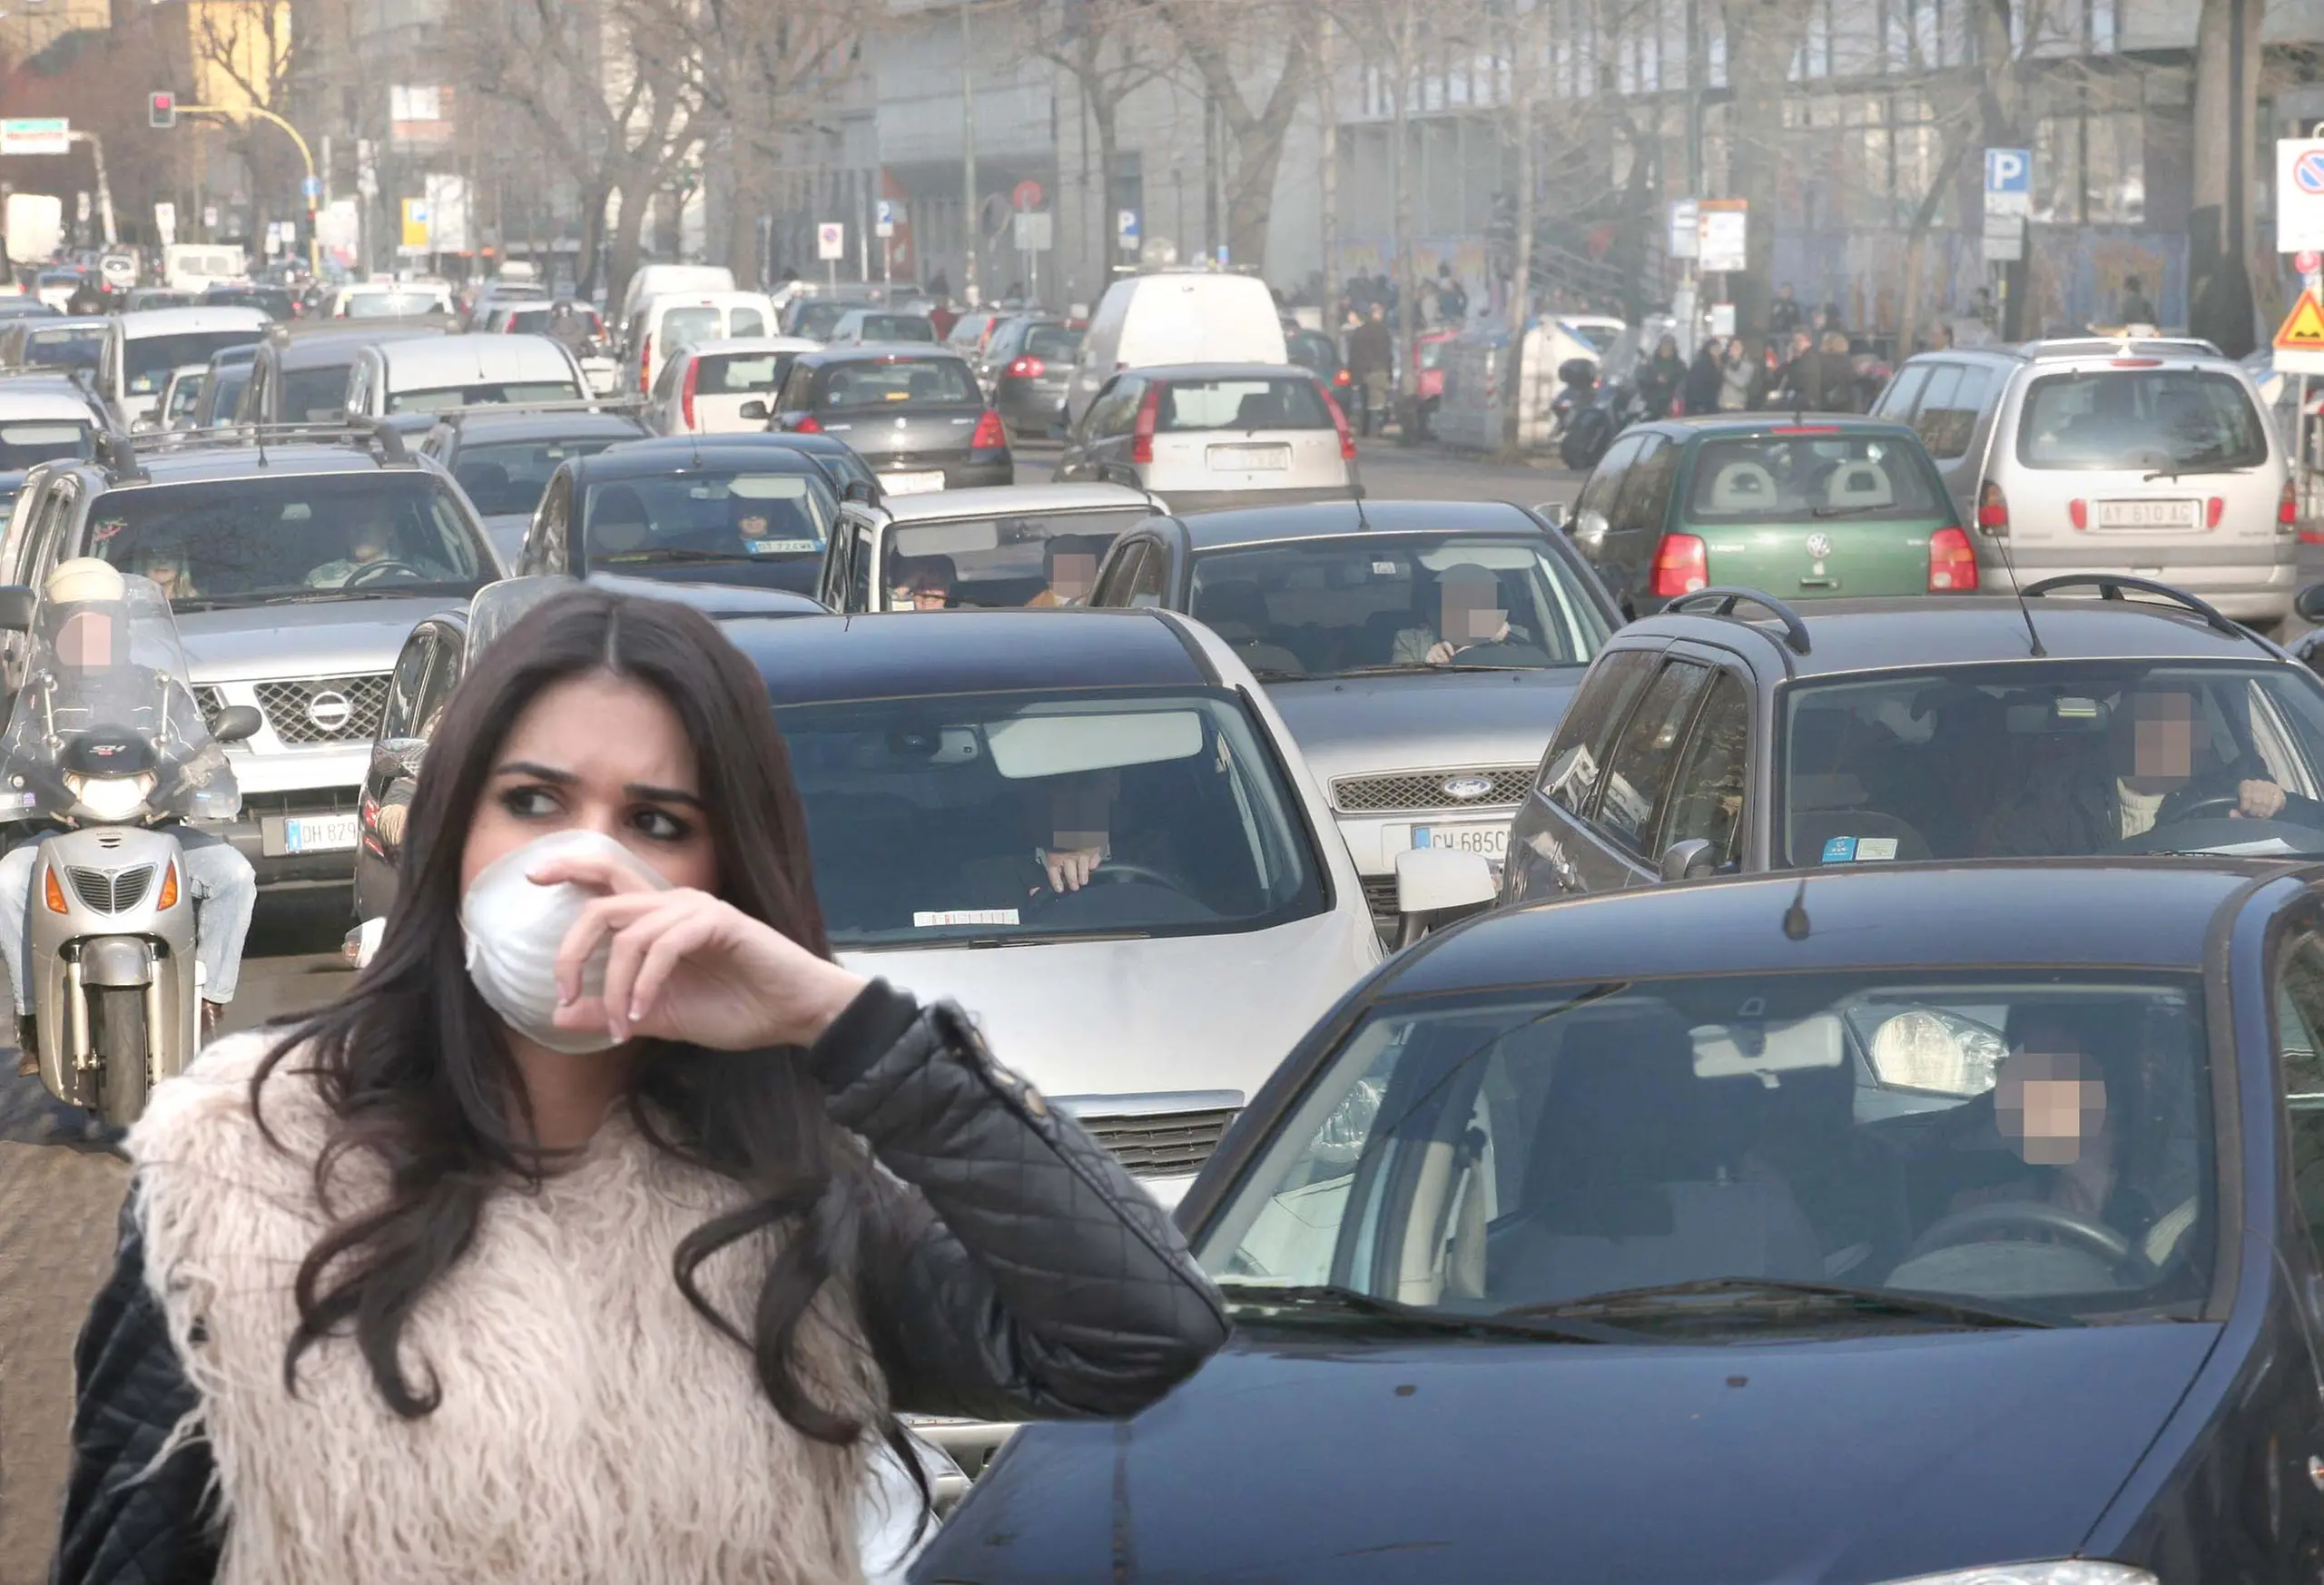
x: 1070, y: 567
x: 617, y: 525
x: 923, y: 582
x: 166, y: 565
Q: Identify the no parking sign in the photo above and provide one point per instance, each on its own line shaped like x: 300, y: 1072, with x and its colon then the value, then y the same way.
x: 2300, y: 194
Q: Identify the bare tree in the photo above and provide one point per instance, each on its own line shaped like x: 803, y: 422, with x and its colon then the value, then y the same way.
x: 1762, y: 37
x: 1111, y: 49
x: 1275, y: 41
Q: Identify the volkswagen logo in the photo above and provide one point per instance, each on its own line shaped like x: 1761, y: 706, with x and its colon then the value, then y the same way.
x: 330, y: 710
x: 1467, y: 789
x: 1820, y: 546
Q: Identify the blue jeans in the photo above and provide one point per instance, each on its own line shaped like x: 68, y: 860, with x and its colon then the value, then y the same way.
x: 224, y: 887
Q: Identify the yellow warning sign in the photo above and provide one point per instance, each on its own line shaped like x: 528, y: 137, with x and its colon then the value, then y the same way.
x: 2303, y: 328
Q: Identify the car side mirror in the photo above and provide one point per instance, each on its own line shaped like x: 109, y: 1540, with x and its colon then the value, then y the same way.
x: 754, y: 409
x: 1121, y: 473
x: 237, y: 724
x: 1552, y: 513
x: 18, y: 605
x: 1690, y: 860
x: 1435, y: 882
x: 1588, y: 532
x: 862, y: 491
x: 2310, y: 603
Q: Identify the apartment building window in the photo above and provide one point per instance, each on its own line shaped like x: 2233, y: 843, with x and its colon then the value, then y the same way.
x: 2090, y: 168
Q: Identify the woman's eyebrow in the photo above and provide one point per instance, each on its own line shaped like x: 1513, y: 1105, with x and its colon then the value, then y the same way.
x: 534, y: 769
x: 645, y: 791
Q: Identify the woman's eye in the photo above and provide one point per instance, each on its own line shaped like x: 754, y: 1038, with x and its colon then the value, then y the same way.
x: 660, y: 825
x: 530, y: 802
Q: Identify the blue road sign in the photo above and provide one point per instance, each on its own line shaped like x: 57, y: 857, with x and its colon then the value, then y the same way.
x: 1126, y: 227
x: 312, y: 187
x: 2009, y: 171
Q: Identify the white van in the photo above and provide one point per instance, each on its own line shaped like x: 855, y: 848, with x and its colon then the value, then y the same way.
x: 653, y: 280
x: 1174, y: 315
x: 143, y: 349
x: 404, y: 381
x: 666, y: 324
x: 193, y: 266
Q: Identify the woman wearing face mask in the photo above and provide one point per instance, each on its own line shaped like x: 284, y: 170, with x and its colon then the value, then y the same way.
x: 605, y: 1226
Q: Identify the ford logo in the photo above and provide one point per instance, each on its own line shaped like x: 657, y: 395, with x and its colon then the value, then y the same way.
x: 330, y: 710
x: 1467, y: 789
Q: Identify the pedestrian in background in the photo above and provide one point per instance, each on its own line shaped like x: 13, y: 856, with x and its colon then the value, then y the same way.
x: 1660, y: 380
x: 1705, y: 376
x: 603, y: 1229
x: 1743, y: 379
x: 1371, y: 356
x: 2137, y: 308
x: 1783, y: 314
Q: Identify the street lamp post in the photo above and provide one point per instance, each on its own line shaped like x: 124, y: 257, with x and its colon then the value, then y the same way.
x: 968, y: 221
x: 314, y: 184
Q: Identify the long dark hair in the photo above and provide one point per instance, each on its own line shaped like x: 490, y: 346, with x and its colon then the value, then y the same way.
x: 418, y: 1072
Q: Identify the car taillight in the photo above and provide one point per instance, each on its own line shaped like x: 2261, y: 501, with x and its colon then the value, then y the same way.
x: 1952, y: 563
x: 1026, y: 368
x: 1339, y: 422
x: 2287, y: 509
x: 685, y: 394
x: 806, y: 425
x: 989, y: 435
x: 2213, y: 512
x: 1141, y: 435
x: 645, y: 367
x: 1992, y: 510
x: 1681, y: 566
x: 1341, y: 376
x: 2078, y: 512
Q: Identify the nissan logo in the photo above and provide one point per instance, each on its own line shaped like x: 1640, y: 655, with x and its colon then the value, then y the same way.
x: 1467, y: 789
x: 1820, y: 546
x: 330, y: 710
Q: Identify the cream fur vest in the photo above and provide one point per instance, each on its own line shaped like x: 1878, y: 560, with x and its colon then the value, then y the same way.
x: 592, y: 1427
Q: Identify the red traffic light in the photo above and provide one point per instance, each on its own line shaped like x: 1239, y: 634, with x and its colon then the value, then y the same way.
x: 162, y: 110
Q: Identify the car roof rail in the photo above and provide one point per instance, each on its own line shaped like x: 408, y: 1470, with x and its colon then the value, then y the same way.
x: 2110, y: 586
x: 2121, y: 346
x: 116, y: 451
x: 626, y: 405
x: 373, y: 434
x: 1725, y: 598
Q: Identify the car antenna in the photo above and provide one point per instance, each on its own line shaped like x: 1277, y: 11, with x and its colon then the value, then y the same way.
x: 2017, y: 592
x: 1795, y: 917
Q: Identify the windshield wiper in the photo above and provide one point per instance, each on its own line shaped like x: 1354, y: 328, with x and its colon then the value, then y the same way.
x: 369, y: 592
x: 1701, y: 1298
x: 639, y: 557
x: 1391, y: 669
x: 1855, y: 511
x: 1329, y: 1302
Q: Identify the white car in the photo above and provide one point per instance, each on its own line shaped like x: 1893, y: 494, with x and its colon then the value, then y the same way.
x: 390, y: 299
x: 704, y: 389
x: 428, y: 374
x: 142, y: 349
x: 667, y: 325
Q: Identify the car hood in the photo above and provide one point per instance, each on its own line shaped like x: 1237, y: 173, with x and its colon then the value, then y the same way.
x: 1143, y: 1017
x: 1424, y: 720
x: 321, y: 639
x: 1315, y: 1459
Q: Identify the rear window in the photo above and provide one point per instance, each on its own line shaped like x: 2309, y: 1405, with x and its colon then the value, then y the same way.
x: 147, y: 360
x: 741, y: 373
x: 314, y: 394
x: 707, y: 515
x: 389, y: 305
x: 817, y: 320
x: 2167, y: 421
x: 483, y: 394
x: 1781, y: 477
x: 1242, y: 403
x: 1052, y: 341
x: 68, y: 349
x: 897, y: 328
x: 929, y: 382
x: 508, y: 478
x: 684, y: 326
x: 23, y: 443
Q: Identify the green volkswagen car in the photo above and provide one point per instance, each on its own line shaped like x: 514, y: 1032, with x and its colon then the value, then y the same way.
x: 1800, y: 506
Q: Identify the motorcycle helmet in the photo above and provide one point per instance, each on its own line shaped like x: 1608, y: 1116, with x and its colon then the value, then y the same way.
x: 83, y: 580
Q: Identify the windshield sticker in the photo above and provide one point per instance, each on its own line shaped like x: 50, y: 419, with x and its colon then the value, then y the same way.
x: 2077, y: 710
x: 1384, y: 570
x: 781, y: 547
x: 1839, y: 850
x: 1868, y: 849
x: 964, y: 916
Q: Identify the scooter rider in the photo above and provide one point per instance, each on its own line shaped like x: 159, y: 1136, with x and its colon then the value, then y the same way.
x: 85, y: 621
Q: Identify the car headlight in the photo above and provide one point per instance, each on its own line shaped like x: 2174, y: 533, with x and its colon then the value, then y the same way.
x: 109, y: 797
x: 2064, y: 1572
x: 1926, y: 1050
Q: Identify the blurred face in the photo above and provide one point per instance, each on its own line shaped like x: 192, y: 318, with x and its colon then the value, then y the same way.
x: 367, y: 542
x: 2160, y: 739
x: 2050, y: 1100
x: 1469, y: 604
x: 597, y: 753
x: 1073, y: 575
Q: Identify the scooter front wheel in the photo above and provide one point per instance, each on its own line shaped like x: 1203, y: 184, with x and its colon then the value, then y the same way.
x: 117, y: 1035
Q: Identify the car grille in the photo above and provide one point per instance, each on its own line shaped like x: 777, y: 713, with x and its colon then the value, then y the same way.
x: 112, y: 891
x: 210, y: 700
x: 1162, y: 1144
x: 1422, y: 790
x: 307, y: 801
x: 324, y: 708
x: 1380, y: 897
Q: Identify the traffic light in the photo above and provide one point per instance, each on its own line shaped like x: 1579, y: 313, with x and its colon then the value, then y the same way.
x: 161, y: 111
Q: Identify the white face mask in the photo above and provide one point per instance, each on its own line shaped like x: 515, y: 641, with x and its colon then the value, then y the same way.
x: 515, y: 927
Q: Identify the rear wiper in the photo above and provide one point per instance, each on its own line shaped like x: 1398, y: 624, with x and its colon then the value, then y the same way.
x: 2192, y: 465
x: 1851, y: 511
x: 1671, y: 1299
x: 1330, y: 1302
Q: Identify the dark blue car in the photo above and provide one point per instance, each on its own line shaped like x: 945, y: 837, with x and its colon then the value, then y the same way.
x: 1875, y: 1224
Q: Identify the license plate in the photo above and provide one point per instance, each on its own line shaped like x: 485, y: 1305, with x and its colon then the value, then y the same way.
x: 1248, y: 458
x: 2148, y: 514
x: 318, y: 833
x: 1492, y: 840
x: 911, y: 484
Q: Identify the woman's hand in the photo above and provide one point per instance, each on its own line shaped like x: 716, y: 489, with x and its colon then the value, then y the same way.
x: 684, y: 966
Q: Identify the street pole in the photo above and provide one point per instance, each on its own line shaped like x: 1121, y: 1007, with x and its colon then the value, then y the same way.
x: 104, y: 188
x: 314, y: 182
x: 970, y: 226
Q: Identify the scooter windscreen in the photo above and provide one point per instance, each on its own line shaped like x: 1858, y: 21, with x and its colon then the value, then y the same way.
x: 107, y: 729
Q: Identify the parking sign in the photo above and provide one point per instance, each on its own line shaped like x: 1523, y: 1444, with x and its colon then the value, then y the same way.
x: 883, y: 223
x: 2009, y: 181
x: 830, y: 240
x: 1126, y: 229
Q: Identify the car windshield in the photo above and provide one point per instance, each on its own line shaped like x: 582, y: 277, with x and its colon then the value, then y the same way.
x: 1830, y: 473
x: 148, y: 360
x: 925, y: 817
x: 272, y: 301
x: 1597, y: 338
x: 1328, y: 607
x: 186, y: 395
x: 1244, y: 402
x: 25, y: 441
x: 1044, y: 558
x: 508, y: 477
x: 1054, y: 343
x: 389, y: 305
x: 2053, y: 759
x: 2164, y: 421
x: 1314, y: 350
x: 482, y: 394
x: 707, y: 515
x: 224, y: 390
x: 818, y: 317
x: 897, y: 328
x: 2036, y: 1141
x: 312, y: 395
x: 884, y: 381
x: 74, y: 348
x: 264, y: 540
x: 741, y: 373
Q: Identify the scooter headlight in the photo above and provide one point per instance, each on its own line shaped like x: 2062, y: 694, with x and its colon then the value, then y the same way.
x: 110, y: 798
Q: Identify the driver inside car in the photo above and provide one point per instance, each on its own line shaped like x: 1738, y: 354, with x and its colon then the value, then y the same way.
x: 1471, y: 613
x: 369, y: 538
x: 2158, y: 767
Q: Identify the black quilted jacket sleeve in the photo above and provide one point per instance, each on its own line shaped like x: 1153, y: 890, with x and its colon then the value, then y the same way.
x: 122, y: 1526
x: 1017, y: 1271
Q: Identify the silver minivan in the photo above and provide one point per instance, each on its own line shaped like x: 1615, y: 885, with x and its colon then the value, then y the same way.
x: 2150, y: 456
x: 1213, y: 434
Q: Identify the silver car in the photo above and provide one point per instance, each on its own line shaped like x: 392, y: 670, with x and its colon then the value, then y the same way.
x: 2152, y: 457
x: 1212, y: 434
